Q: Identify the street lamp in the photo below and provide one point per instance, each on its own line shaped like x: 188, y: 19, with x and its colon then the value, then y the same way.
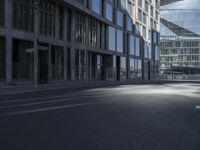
x: 36, y: 41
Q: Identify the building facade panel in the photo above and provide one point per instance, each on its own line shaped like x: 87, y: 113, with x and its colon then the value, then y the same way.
x: 180, y: 36
x: 52, y: 41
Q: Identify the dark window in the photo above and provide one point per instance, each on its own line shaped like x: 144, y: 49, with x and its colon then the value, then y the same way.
x: 47, y: 18
x: 80, y: 64
x: 22, y: 60
x: 2, y: 12
x: 61, y: 16
x: 23, y: 15
x: 2, y: 58
x: 92, y: 32
x: 80, y: 1
x: 57, y: 62
x: 80, y: 33
x: 69, y: 25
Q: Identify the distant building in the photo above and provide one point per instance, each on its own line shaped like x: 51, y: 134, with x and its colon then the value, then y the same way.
x: 180, y: 34
x: 49, y: 41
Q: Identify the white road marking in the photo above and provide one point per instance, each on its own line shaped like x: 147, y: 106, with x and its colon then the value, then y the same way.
x: 44, y: 109
x: 36, y: 103
x: 39, y: 98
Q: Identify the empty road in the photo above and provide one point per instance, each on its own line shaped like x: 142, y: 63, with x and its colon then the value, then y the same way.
x: 126, y: 117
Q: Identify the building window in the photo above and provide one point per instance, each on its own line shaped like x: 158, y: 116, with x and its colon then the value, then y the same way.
x: 111, y: 38
x: 2, y: 12
x: 132, y: 45
x: 123, y: 69
x: 121, y: 3
x: 80, y: 64
x: 132, y: 68
x: 80, y: 1
x: 23, y: 15
x: 92, y: 32
x: 47, y: 18
x: 61, y: 16
x: 80, y: 32
x: 120, y: 41
x: 22, y: 60
x: 69, y: 22
x: 137, y: 46
x: 157, y: 53
x: 130, y: 8
x: 109, y: 12
x: 96, y: 6
x: 111, y: 67
x: 57, y: 62
x: 120, y: 19
x: 2, y: 59
x: 129, y: 24
x: 139, y: 67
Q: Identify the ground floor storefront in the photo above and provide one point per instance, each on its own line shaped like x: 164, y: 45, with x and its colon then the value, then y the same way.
x: 56, y: 63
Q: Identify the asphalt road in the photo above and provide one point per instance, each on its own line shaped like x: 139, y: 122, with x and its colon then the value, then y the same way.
x: 126, y: 117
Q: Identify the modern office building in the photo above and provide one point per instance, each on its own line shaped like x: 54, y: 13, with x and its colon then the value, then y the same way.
x: 48, y: 41
x: 180, y: 35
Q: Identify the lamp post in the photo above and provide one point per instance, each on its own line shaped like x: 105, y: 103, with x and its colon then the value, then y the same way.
x: 36, y: 40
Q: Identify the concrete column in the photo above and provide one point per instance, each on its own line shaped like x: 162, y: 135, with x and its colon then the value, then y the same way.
x: 65, y: 63
x: 86, y: 51
x: 72, y: 45
x: 8, y: 59
x: 87, y: 30
x: 65, y: 39
x: 50, y: 65
x: 36, y: 42
x: 86, y: 66
x: 98, y: 35
x: 8, y: 46
x: 102, y: 36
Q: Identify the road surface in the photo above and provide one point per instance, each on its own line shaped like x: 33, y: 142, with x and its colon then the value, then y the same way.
x: 126, y: 117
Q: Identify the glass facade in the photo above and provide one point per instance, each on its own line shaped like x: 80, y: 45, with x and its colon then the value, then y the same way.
x: 123, y: 68
x: 23, y: 15
x: 96, y: 6
x: 2, y: 12
x: 132, y: 45
x: 111, y: 38
x: 57, y: 62
x: 120, y: 18
x: 129, y: 24
x: 92, y: 32
x: 2, y: 58
x: 47, y: 18
x: 80, y: 33
x: 80, y: 64
x: 120, y: 41
x: 184, y: 14
x: 137, y: 46
x: 132, y: 68
x: 111, y: 67
x: 74, y: 44
x: 109, y: 12
x: 180, y: 35
x: 22, y: 60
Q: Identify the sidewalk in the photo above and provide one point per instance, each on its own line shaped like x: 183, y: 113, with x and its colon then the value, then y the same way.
x: 69, y: 85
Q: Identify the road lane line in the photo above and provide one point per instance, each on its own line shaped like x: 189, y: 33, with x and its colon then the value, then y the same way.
x: 36, y: 103
x: 44, y: 109
x: 39, y: 98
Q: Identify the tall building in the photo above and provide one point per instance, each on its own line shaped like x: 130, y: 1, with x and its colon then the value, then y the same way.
x: 48, y: 41
x: 180, y: 35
